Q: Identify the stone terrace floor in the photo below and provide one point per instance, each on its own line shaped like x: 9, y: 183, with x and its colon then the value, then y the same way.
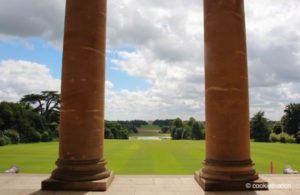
x: 146, y: 185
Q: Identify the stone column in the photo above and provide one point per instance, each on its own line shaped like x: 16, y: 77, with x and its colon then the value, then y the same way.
x: 228, y: 165
x: 81, y: 165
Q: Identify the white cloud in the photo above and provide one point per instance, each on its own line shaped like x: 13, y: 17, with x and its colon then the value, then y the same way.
x: 109, y: 85
x: 169, y: 53
x: 32, y: 18
x: 272, y: 100
x: 18, y: 78
x: 168, y: 41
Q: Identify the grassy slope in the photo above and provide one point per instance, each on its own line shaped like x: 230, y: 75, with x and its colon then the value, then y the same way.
x: 149, y: 127
x: 150, y: 133
x: 147, y: 157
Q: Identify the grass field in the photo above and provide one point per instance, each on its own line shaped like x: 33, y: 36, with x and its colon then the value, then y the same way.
x: 149, y: 127
x: 147, y: 157
x: 150, y: 133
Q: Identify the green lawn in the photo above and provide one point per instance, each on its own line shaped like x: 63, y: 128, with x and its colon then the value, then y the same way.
x: 149, y: 127
x: 150, y: 133
x: 147, y: 157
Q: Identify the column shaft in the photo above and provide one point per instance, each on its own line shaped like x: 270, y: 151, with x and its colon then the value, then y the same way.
x: 82, y: 96
x: 227, y: 164
x: 226, y: 81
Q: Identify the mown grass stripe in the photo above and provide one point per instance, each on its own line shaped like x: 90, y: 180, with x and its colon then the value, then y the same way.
x: 148, y: 157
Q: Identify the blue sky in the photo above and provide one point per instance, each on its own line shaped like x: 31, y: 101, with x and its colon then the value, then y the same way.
x: 120, y: 78
x: 154, y: 61
x: 36, y: 50
x: 39, y: 51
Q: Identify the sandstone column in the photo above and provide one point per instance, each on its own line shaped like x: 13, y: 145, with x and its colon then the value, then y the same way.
x: 228, y: 165
x: 81, y: 165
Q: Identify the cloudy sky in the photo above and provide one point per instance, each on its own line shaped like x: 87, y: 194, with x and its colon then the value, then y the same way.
x: 154, y: 55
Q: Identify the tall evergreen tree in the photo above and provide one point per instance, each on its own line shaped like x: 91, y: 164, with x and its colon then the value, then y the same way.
x: 259, y: 127
x: 292, y: 118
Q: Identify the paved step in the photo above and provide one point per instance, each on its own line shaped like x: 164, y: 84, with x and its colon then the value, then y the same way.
x: 146, y: 185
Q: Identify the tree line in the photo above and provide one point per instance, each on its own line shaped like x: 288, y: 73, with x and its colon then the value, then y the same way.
x: 179, y: 129
x: 287, y: 130
x: 121, y: 129
x: 35, y: 118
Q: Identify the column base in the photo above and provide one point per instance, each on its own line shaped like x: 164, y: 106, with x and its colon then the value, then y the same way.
x: 213, y: 185
x: 94, y: 185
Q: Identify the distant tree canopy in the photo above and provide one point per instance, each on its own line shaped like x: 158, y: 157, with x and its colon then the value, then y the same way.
x: 287, y: 130
x: 161, y: 123
x: 291, y: 119
x: 198, y: 131
x: 165, y: 129
x: 259, y: 130
x: 277, y: 129
x: 177, y: 131
x: 47, y: 104
x: 121, y: 129
x: 190, y: 129
x: 35, y: 118
x: 132, y: 125
x: 114, y: 130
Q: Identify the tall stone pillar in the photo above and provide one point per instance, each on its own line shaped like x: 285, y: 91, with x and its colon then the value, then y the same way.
x: 81, y: 164
x: 228, y: 165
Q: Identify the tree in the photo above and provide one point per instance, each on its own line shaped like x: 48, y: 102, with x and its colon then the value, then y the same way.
x: 165, y: 129
x: 191, y: 121
x: 132, y: 126
x: 283, y: 123
x: 161, y: 123
x: 274, y: 137
x: 286, y: 138
x: 13, y: 136
x: 178, y: 133
x: 176, y: 126
x: 292, y: 118
x: 114, y: 130
x: 47, y: 108
x: 45, y: 137
x: 197, y: 131
x: 277, y: 128
x: 298, y: 137
x: 108, y: 134
x: 7, y: 119
x: 180, y: 130
x: 123, y: 134
x: 177, y: 122
x: 259, y: 127
x: 46, y: 104
x: 4, y: 140
x: 34, y: 99
x: 23, y: 119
